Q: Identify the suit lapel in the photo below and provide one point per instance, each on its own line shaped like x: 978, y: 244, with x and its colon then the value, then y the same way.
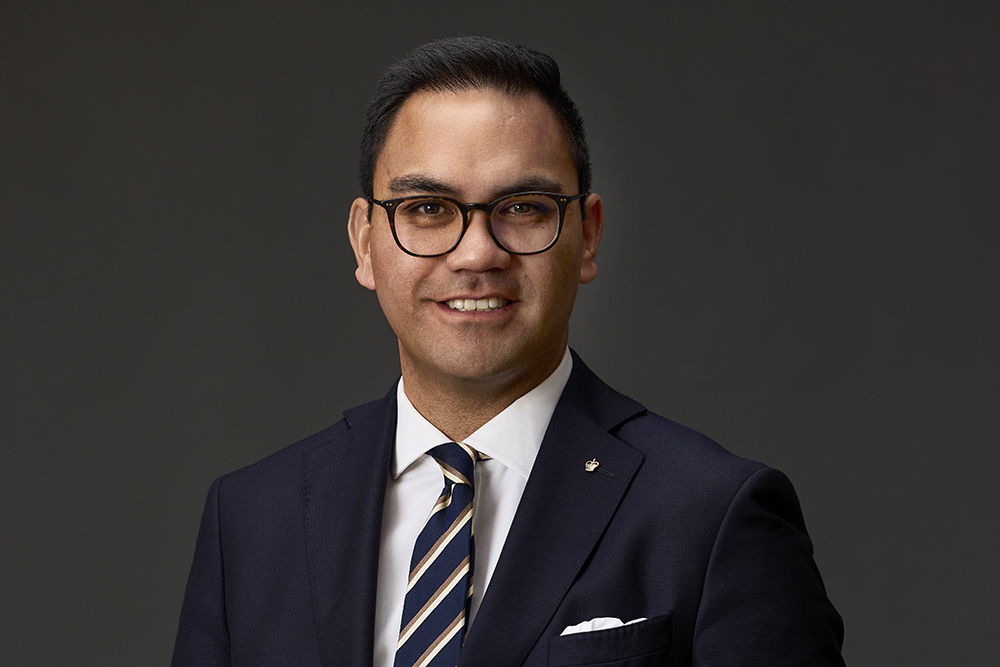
x: 344, y: 491
x: 561, y: 516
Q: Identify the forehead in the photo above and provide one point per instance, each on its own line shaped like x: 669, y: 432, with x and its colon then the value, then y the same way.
x: 475, y: 140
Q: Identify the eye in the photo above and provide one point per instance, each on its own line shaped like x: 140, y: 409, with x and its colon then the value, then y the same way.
x: 424, y: 208
x: 522, y: 208
x: 526, y: 208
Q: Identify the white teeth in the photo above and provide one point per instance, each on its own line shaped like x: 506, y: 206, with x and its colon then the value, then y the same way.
x: 481, y: 305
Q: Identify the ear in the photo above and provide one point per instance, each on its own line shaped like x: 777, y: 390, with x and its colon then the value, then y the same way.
x: 359, y: 230
x: 593, y: 227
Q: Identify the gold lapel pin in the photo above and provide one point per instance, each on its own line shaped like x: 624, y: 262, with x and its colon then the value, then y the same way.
x: 591, y: 465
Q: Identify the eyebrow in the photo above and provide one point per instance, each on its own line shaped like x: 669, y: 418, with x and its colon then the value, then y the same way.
x: 530, y: 184
x: 427, y: 184
x: 417, y: 183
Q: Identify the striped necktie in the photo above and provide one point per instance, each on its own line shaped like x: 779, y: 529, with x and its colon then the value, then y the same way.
x: 440, y: 585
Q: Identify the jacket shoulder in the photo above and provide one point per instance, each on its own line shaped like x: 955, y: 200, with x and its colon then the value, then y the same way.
x: 285, y: 460
x: 666, y: 446
x: 283, y: 468
x: 658, y: 437
x: 691, y: 469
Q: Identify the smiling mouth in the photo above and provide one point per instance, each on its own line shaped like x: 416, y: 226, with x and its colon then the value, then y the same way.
x: 480, y: 305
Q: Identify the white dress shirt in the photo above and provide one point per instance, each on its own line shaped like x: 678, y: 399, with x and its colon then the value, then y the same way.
x: 511, y: 440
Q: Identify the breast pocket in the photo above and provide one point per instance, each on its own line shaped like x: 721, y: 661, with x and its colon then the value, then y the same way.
x: 642, y: 644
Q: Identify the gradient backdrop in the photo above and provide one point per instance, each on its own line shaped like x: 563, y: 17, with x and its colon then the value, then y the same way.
x: 800, y: 260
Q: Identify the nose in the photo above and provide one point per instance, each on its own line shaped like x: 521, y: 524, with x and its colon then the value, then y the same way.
x: 477, y: 250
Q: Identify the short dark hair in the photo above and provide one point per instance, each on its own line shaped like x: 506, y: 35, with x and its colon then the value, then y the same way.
x: 469, y: 63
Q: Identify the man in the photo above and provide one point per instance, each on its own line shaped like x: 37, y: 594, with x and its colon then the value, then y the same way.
x: 599, y: 533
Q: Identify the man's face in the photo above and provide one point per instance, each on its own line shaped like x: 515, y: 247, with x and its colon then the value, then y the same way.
x: 476, y: 146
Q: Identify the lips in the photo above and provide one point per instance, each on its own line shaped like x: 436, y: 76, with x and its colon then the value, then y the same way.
x: 486, y: 305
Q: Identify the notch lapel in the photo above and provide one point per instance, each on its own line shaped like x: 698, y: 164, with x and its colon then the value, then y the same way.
x: 561, y: 516
x: 344, y: 491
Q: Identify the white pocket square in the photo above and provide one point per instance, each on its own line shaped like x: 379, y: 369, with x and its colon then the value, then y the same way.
x: 602, y: 623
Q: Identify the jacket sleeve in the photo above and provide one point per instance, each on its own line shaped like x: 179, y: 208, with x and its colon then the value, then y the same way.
x: 763, y: 601
x: 203, y: 635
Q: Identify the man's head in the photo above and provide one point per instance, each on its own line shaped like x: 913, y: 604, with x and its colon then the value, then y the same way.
x: 469, y: 63
x: 479, y: 320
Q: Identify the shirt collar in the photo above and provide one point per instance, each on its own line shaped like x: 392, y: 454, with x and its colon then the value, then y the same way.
x: 512, y: 437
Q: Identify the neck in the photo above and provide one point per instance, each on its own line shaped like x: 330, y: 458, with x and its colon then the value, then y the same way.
x: 459, y: 406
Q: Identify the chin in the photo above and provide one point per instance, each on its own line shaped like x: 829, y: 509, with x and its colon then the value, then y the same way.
x: 468, y: 363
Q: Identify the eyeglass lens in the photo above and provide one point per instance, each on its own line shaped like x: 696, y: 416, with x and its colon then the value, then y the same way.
x: 522, y: 223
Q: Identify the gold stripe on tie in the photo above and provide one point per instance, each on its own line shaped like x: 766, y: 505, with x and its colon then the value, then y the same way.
x: 439, y: 546
x: 441, y: 568
x: 431, y: 605
x: 433, y: 649
x: 454, y: 475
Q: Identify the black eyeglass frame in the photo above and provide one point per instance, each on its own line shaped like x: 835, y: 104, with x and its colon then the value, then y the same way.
x: 562, y: 201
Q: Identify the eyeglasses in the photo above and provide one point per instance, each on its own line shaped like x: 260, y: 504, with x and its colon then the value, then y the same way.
x: 525, y: 223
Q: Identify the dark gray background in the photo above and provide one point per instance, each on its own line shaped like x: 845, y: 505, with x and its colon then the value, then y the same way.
x: 800, y: 260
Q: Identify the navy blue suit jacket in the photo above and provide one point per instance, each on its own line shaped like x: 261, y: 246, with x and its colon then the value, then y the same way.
x: 710, y: 547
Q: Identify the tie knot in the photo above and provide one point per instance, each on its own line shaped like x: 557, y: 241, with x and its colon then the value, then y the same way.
x: 457, y: 462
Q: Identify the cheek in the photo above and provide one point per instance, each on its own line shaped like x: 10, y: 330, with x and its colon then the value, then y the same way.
x: 555, y: 285
x: 398, y: 278
x: 386, y: 265
x: 397, y: 306
x: 566, y: 273
x: 390, y: 287
x: 387, y: 282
